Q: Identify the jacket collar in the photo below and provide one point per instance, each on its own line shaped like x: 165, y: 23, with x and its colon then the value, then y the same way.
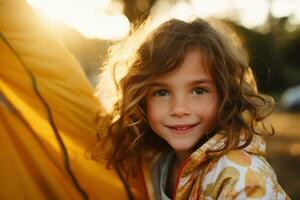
x: 198, y: 157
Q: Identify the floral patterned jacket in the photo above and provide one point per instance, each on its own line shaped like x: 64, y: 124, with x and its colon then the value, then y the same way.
x: 239, y: 174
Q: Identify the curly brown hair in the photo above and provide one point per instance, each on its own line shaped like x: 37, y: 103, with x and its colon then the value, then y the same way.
x: 126, y: 136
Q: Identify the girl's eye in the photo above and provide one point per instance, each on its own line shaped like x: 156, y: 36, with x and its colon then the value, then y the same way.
x: 161, y: 93
x: 198, y: 91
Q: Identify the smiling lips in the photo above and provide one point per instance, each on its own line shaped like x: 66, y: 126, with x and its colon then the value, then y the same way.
x: 182, y: 129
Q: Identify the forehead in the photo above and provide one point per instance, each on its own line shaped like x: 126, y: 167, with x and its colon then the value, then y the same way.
x: 193, y: 67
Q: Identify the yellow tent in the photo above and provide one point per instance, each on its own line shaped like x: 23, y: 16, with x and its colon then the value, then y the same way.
x: 47, y: 112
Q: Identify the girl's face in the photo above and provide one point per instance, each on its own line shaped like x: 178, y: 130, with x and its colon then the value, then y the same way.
x: 182, y: 105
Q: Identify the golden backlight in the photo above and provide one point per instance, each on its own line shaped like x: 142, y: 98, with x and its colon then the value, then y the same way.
x: 105, y: 19
x: 102, y: 19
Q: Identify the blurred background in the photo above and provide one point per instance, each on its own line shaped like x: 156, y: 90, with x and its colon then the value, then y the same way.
x: 270, y: 30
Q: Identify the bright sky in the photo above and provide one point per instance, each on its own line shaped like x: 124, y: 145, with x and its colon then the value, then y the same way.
x: 250, y: 14
x: 104, y: 19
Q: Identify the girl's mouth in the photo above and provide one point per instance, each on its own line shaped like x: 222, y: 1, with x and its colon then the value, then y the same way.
x: 182, y: 128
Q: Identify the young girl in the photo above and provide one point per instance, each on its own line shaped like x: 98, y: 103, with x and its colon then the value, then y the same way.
x: 188, y: 112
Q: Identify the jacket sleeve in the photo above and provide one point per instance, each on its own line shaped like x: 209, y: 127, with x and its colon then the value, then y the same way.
x: 239, y: 175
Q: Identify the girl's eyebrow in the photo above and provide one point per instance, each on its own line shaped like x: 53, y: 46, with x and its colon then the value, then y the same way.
x: 158, y: 84
x: 194, y: 82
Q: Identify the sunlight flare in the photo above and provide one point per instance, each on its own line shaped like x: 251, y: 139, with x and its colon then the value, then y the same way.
x: 102, y: 19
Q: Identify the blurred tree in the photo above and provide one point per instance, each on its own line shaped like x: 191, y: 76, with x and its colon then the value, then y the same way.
x: 290, y: 50
x: 273, y: 55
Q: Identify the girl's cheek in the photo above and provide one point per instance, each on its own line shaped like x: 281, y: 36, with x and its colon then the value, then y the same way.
x: 158, y: 105
x: 153, y: 102
x: 204, y: 101
x: 160, y: 100
x: 201, y: 99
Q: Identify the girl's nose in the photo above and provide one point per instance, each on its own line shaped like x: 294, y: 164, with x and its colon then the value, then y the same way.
x: 180, y: 108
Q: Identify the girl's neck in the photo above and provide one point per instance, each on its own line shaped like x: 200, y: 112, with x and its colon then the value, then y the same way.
x: 181, y: 157
x: 175, y: 170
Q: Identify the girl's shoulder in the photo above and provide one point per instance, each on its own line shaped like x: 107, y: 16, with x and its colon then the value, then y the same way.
x: 243, y: 163
x: 240, y: 162
x: 242, y: 174
x: 242, y: 159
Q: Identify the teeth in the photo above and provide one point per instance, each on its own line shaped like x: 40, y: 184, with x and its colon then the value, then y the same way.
x: 182, y: 128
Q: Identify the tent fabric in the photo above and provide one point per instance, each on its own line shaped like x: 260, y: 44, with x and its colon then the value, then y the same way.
x: 47, y: 116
